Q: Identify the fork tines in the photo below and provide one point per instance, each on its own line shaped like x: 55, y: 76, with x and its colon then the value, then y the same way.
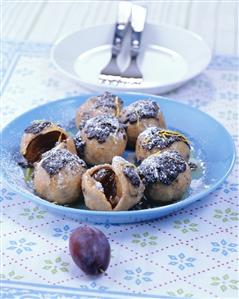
x: 111, y: 74
x: 109, y: 79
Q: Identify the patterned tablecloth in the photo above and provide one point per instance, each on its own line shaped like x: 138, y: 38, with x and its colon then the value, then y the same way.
x: 190, y: 253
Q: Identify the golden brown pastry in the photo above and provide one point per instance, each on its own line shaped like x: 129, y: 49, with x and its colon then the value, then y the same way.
x: 115, y: 187
x: 154, y: 140
x: 57, y: 177
x: 107, y: 103
x: 166, y: 176
x: 101, y: 138
x: 139, y: 116
x: 40, y: 137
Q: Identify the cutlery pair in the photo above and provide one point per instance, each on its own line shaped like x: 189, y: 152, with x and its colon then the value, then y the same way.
x: 111, y: 73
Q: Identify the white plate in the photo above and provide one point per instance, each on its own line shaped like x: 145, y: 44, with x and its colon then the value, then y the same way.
x: 170, y: 56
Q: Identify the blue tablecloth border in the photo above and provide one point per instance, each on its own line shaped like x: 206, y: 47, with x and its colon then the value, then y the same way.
x: 9, y: 289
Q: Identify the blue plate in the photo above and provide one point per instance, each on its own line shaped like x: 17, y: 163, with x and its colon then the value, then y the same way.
x: 212, y: 147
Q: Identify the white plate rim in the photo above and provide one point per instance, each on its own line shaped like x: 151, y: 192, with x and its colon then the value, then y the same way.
x: 147, y: 87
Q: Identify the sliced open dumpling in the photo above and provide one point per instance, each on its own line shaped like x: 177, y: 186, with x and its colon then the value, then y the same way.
x: 115, y: 187
x: 39, y: 137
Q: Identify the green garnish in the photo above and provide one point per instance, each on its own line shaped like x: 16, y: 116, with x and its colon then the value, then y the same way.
x: 28, y: 174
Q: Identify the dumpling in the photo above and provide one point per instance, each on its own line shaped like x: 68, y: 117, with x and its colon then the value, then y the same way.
x: 40, y: 137
x: 139, y: 116
x: 57, y: 177
x: 154, y: 139
x: 101, y: 138
x: 67, y: 144
x: 107, y: 103
x: 115, y: 187
x: 166, y: 176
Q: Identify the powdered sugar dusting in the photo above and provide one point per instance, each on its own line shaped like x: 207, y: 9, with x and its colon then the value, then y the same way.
x: 37, y: 126
x: 102, y: 126
x: 99, y: 186
x: 108, y: 100
x: 154, y: 137
x: 162, y: 168
x: 56, y: 159
x: 140, y: 109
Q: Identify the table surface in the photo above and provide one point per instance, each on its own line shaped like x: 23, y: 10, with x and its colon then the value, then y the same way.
x: 190, y: 253
x: 32, y: 20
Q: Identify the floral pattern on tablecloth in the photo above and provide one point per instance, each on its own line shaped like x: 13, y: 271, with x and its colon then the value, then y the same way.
x: 192, y: 253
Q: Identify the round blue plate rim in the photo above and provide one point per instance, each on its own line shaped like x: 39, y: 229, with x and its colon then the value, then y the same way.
x: 162, y: 210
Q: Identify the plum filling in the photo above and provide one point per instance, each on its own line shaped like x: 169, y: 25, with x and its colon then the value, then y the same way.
x: 106, y: 177
x: 41, y: 144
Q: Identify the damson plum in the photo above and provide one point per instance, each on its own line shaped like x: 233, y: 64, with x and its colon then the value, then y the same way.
x: 90, y: 250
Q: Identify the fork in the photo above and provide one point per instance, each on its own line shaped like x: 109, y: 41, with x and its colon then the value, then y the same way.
x: 110, y: 74
x: 132, y: 75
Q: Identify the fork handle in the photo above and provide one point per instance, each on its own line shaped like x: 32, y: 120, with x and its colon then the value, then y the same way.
x: 120, y: 31
x: 135, y: 43
x: 124, y: 13
x: 137, y: 26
